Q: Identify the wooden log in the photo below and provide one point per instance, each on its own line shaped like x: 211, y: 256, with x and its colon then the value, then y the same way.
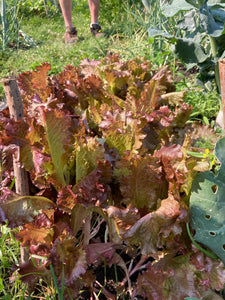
x: 15, y: 105
x: 13, y: 98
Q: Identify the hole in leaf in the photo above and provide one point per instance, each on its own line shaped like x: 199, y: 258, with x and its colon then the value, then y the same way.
x: 223, y: 246
x: 208, y: 217
x: 212, y: 233
x: 214, y: 188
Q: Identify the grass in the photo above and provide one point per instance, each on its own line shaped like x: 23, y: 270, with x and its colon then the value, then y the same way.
x: 9, y: 256
x: 51, y: 46
x: 206, y: 103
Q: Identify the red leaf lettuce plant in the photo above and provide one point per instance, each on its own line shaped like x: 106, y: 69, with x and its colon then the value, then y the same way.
x: 105, y: 148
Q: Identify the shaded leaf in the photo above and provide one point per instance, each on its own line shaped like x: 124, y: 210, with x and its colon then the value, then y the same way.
x: 3, y: 218
x: 78, y: 215
x: 150, y: 285
x: 30, y: 273
x: 74, y: 261
x: 99, y: 252
x: 209, y: 24
x: 190, y: 51
x: 211, y: 295
x: 124, y: 219
x: 166, y: 126
x: 214, y: 275
x: 94, y: 187
x: 171, y: 158
x: 23, y: 209
x: 117, y: 82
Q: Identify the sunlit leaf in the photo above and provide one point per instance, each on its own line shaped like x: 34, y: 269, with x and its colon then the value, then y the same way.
x: 88, y: 152
x: 56, y: 126
x: 172, y: 99
x: 66, y: 198
x: 31, y: 235
x: 148, y: 231
x: 35, y: 83
x: 170, y: 10
x: 144, y: 184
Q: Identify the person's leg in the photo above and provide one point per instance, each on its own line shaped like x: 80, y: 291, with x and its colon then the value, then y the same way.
x: 66, y: 7
x: 94, y: 10
x: 71, y: 32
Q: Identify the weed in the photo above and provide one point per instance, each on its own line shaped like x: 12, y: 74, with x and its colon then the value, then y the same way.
x: 9, y: 256
x: 206, y: 105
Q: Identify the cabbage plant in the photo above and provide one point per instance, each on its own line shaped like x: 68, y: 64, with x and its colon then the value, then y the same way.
x: 199, y: 38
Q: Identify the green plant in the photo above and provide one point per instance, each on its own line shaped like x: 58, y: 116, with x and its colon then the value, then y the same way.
x: 11, y: 36
x: 9, y: 22
x: 9, y: 256
x: 207, y: 205
x: 41, y: 7
x: 206, y: 156
x: 206, y: 105
x: 105, y: 147
x: 200, y: 37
